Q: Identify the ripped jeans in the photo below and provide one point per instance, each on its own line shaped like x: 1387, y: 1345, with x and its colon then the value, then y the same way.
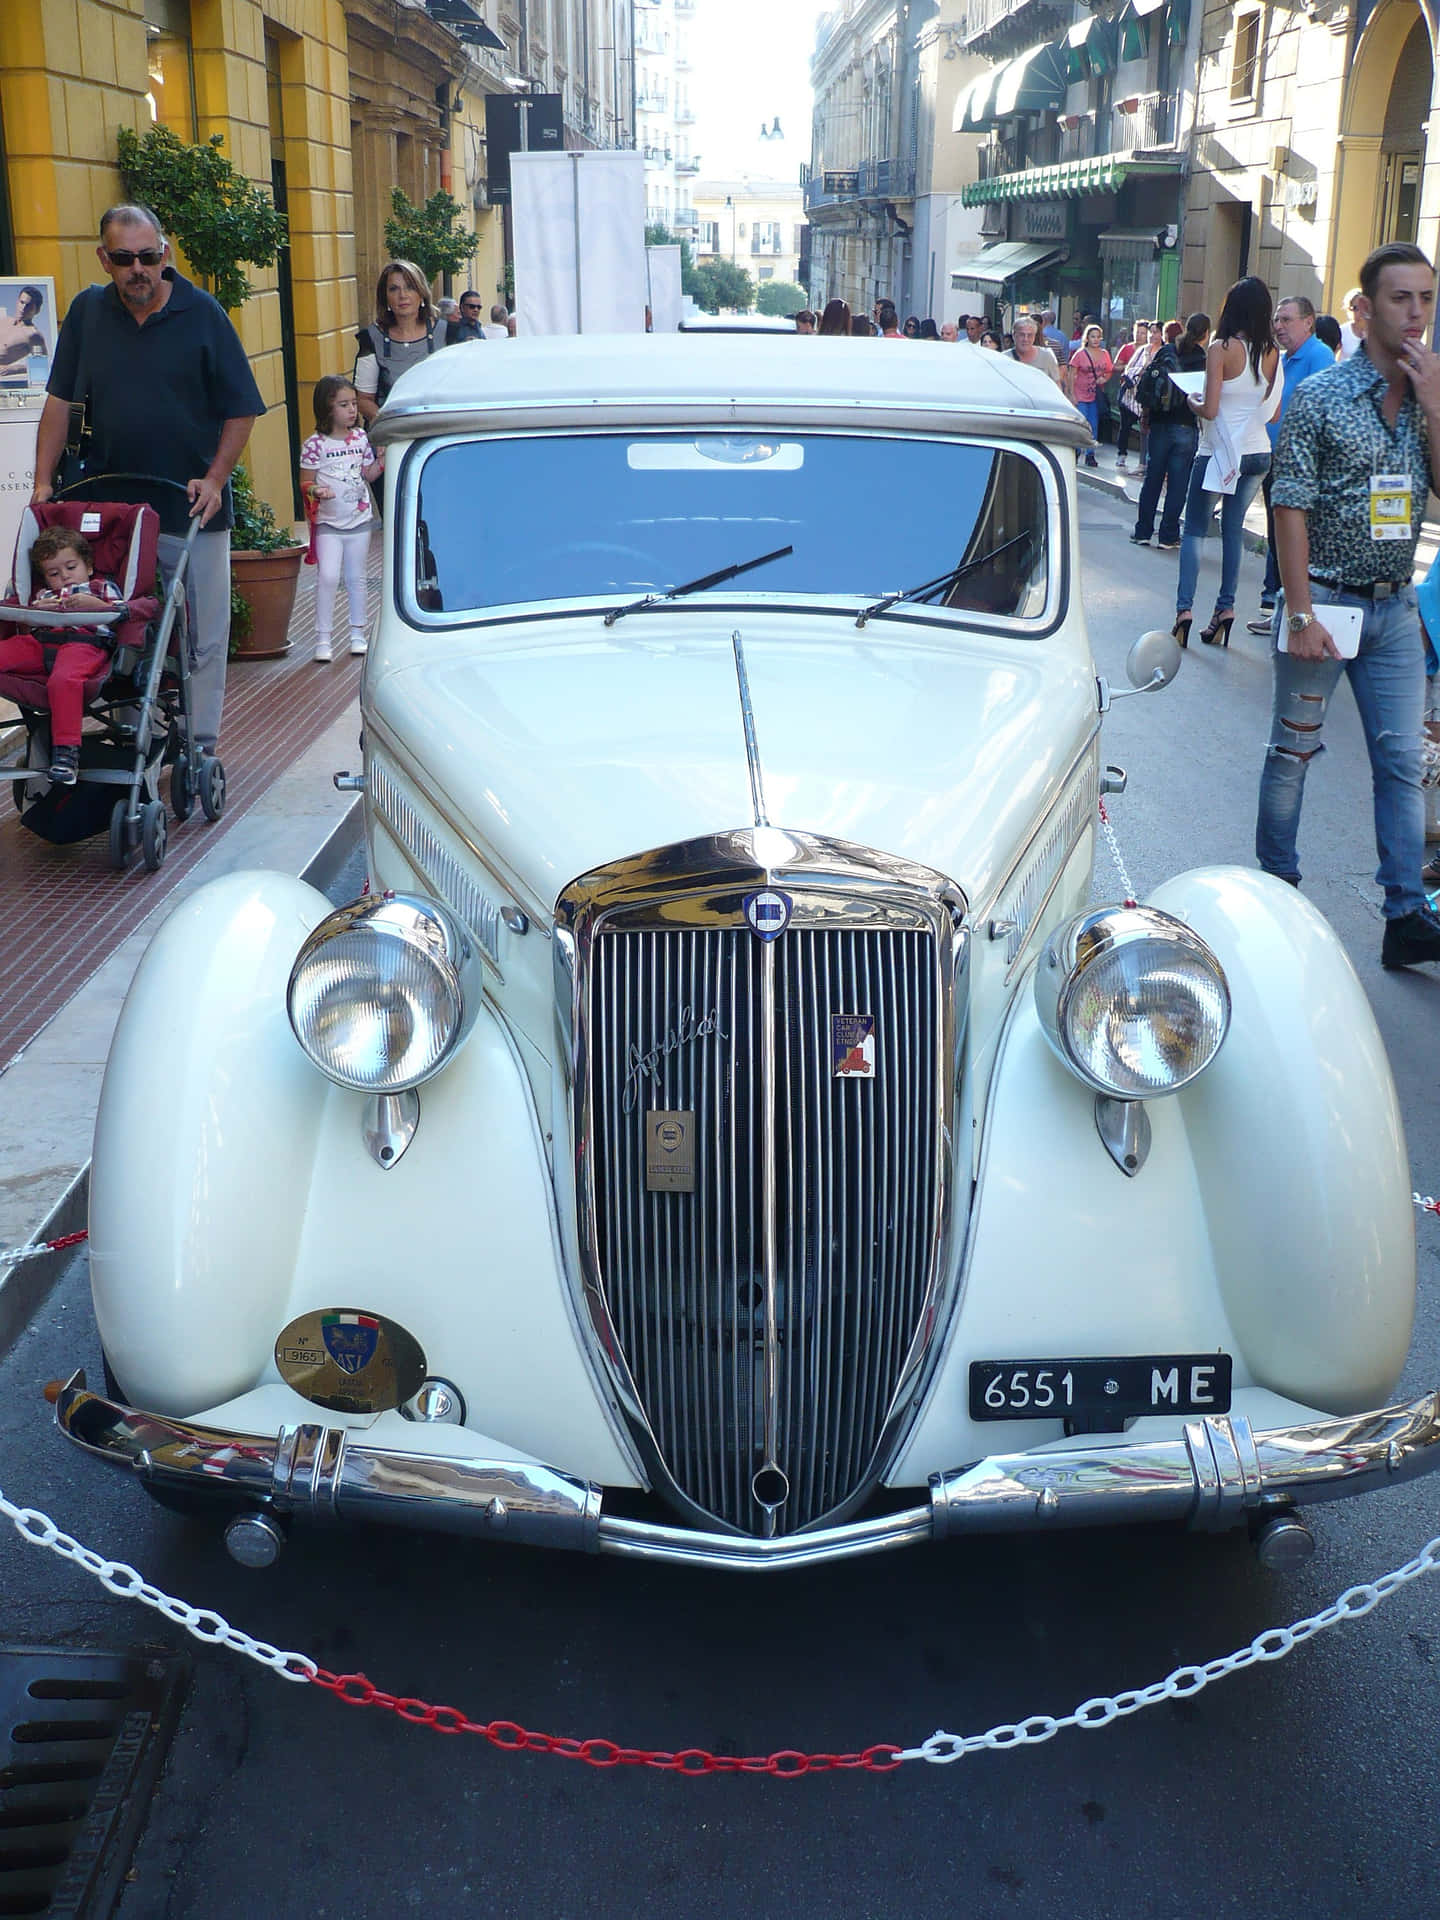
x: 1387, y: 677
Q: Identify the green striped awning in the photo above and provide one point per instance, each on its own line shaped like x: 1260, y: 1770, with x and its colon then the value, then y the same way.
x: 1102, y: 174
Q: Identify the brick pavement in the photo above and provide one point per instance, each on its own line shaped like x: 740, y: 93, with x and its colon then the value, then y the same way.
x: 67, y: 910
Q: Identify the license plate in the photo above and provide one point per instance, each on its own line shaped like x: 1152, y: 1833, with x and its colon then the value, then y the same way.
x: 1081, y: 1389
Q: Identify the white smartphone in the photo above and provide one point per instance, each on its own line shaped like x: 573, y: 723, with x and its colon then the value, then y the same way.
x: 1343, y: 625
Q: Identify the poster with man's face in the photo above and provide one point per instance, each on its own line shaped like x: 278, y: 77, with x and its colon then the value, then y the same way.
x: 28, y: 326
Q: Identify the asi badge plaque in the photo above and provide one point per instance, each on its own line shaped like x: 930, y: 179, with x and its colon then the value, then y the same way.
x: 852, y: 1046
x: 350, y: 1361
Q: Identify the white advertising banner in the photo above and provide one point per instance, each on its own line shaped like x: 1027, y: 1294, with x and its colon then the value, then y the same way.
x: 667, y: 303
x: 579, y: 226
x: 28, y: 325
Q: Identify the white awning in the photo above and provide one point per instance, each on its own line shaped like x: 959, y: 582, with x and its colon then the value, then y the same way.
x: 1005, y: 261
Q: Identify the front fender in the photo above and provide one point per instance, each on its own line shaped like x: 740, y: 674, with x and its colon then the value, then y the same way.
x: 232, y: 1191
x: 1273, y: 1218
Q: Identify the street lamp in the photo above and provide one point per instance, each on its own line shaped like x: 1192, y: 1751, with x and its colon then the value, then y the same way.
x: 734, y: 216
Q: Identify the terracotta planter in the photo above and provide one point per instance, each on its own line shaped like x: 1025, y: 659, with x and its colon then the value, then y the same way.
x: 266, y: 582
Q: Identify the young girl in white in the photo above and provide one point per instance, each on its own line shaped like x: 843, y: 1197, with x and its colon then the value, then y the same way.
x: 335, y: 463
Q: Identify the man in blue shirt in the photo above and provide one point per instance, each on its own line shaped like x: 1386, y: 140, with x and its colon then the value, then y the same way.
x: 1294, y: 325
x: 169, y: 392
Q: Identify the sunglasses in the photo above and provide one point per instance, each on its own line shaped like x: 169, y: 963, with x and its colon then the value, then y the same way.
x: 123, y: 257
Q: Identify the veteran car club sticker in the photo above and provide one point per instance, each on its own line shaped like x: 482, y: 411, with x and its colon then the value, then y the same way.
x: 350, y: 1361
x: 852, y: 1046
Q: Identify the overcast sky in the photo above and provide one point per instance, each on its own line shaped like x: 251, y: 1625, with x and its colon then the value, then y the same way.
x: 751, y: 62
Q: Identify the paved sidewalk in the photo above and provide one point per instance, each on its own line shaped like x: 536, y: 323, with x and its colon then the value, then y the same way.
x: 76, y: 929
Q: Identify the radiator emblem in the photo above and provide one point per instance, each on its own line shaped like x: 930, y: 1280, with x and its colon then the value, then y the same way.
x: 768, y: 913
x: 670, y: 1152
x: 852, y: 1046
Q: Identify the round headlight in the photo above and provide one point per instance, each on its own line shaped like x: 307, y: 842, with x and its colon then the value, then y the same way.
x: 383, y: 992
x: 1132, y: 1000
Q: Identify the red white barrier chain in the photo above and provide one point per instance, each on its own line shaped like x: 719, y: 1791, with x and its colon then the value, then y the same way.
x: 1113, y: 846
x: 941, y: 1749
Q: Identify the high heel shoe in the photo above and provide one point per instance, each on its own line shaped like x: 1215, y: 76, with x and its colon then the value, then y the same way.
x: 1217, y: 634
x: 1181, y: 628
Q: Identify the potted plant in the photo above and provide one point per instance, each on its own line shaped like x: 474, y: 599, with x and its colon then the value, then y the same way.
x: 264, y: 570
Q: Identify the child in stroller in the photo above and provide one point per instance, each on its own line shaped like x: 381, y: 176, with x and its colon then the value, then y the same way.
x: 135, y: 693
x: 67, y: 658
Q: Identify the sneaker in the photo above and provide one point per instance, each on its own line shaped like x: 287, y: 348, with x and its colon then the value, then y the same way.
x: 1120, y: 463
x: 1168, y: 546
x: 358, y: 643
x: 322, y: 652
x: 1262, y: 624
x: 64, y: 766
x: 1139, y: 539
x: 1091, y: 461
x: 1430, y: 873
x: 1411, y: 939
x: 1140, y: 471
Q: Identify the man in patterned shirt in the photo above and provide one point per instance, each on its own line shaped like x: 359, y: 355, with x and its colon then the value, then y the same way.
x: 1359, y: 450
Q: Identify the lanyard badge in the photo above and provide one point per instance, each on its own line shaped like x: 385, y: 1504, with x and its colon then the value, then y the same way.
x: 1390, y: 504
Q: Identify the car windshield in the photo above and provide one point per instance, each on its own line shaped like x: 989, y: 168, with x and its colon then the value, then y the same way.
x: 501, y: 522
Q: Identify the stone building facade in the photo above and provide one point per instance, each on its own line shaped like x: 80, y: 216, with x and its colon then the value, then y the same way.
x: 1310, y: 146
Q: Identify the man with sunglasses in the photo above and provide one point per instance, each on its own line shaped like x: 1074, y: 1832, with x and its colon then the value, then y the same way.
x: 168, y: 392
x: 467, y: 324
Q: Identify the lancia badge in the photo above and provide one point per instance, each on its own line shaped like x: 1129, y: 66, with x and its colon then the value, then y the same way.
x: 768, y: 913
x: 670, y: 1152
x: 852, y: 1046
x: 350, y: 1361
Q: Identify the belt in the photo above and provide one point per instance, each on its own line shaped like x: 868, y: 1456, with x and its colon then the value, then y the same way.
x: 1373, y: 590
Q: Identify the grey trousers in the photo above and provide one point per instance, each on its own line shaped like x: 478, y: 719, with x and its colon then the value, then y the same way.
x: 208, y: 592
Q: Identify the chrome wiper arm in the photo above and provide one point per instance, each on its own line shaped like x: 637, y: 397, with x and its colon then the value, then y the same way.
x: 947, y: 579
x: 705, y: 581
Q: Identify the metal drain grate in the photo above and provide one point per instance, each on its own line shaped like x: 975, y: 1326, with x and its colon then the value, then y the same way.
x: 82, y: 1737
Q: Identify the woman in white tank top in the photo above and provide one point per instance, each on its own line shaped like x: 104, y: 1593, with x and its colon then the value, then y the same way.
x: 1242, y: 391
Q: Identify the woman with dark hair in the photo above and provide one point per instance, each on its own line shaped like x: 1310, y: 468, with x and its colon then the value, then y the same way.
x: 929, y: 330
x: 862, y: 327
x: 405, y: 331
x: 1233, y: 456
x: 911, y: 328
x: 989, y: 338
x: 836, y: 318
x: 1169, y: 421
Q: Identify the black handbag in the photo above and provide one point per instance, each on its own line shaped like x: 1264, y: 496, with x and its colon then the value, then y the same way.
x: 76, y: 456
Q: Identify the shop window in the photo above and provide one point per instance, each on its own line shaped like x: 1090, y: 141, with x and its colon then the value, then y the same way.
x: 170, y: 94
x: 1245, y: 68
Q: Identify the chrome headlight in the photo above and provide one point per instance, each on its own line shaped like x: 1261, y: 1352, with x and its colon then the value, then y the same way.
x: 1132, y: 1000
x: 384, y: 991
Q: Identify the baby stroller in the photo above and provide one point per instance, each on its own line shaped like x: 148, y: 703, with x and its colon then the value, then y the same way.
x: 137, y: 705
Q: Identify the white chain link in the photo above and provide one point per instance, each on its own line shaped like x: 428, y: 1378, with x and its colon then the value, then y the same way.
x: 940, y: 1749
x: 1273, y: 1644
x: 1126, y: 886
x: 116, y: 1577
x: 1427, y: 1203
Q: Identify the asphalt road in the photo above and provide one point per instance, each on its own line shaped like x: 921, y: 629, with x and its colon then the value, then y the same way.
x: 1308, y: 1787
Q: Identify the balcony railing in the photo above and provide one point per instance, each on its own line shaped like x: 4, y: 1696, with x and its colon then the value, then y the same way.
x: 1000, y: 156
x: 1149, y: 123
x: 685, y: 220
x: 757, y: 245
x: 684, y: 116
x: 1024, y: 21
x: 887, y: 179
x: 651, y: 103
x: 687, y: 166
x: 1077, y: 141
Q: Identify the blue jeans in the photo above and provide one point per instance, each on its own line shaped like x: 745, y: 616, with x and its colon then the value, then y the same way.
x: 1387, y: 677
x: 1091, y: 411
x: 1199, y: 507
x: 1171, y: 451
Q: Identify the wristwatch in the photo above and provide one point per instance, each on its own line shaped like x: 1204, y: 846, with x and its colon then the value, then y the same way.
x: 1297, y: 622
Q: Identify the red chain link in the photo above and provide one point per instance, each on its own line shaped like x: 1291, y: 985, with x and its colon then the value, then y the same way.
x: 356, y: 1691
x: 66, y: 1240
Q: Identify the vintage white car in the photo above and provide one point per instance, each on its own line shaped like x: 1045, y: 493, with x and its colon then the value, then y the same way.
x: 728, y: 1132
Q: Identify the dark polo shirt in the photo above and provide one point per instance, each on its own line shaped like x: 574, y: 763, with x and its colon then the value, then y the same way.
x: 159, y: 394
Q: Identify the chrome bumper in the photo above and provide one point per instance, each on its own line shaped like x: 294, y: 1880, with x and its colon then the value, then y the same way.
x: 1216, y: 1474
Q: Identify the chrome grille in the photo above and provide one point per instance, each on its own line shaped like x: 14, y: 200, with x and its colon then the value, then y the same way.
x: 856, y: 1196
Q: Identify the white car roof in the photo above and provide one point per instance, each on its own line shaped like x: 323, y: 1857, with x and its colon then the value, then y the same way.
x: 692, y: 380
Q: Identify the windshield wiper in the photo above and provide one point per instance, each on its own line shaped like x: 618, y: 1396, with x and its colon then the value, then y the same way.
x: 696, y: 586
x: 941, y: 580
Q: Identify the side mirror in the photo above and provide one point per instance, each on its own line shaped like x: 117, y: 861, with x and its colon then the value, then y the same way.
x: 1153, y: 661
